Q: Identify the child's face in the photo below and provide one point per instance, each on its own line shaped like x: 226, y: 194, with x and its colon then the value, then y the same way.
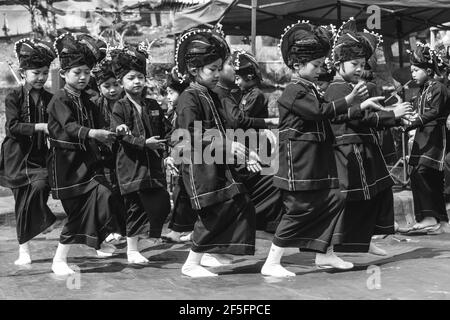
x: 227, y: 74
x: 134, y: 82
x: 242, y: 83
x: 310, y: 70
x: 78, y: 77
x: 351, y: 70
x: 36, y: 77
x: 208, y: 75
x: 419, y: 75
x: 111, y: 89
x: 172, y: 96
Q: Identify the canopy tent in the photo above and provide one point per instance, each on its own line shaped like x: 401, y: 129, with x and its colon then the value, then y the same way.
x: 398, y: 18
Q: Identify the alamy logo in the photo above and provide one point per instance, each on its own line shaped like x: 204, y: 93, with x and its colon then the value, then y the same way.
x: 374, y: 20
x: 210, y: 146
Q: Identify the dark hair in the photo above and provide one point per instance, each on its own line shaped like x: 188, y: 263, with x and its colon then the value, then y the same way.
x: 173, y: 82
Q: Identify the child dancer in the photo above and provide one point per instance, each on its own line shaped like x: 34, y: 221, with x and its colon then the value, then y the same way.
x: 76, y: 170
x: 365, y: 181
x: 24, y: 150
x: 430, y: 142
x: 110, y: 92
x: 139, y: 168
x: 307, y: 170
x: 226, y: 217
x: 183, y: 217
x: 254, y: 105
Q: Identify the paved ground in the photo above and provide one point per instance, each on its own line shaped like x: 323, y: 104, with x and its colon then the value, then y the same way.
x: 417, y: 268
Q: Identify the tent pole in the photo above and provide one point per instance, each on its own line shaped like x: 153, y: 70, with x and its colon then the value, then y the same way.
x: 400, y: 42
x: 339, y: 13
x: 253, y: 36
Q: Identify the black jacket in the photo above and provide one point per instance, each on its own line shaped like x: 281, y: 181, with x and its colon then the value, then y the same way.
x: 24, y: 151
x: 306, y: 155
x: 431, y: 140
x: 138, y: 167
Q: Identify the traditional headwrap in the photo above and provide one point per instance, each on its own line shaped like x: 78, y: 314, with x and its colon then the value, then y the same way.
x: 174, y: 82
x: 198, y: 47
x: 130, y: 58
x: 78, y: 50
x: 33, y: 53
x: 443, y: 55
x: 424, y: 57
x: 350, y: 44
x: 245, y: 65
x: 103, y: 71
x: 302, y: 42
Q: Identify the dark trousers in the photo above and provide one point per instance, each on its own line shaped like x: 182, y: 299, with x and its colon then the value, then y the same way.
x: 365, y: 218
x: 183, y: 216
x: 33, y: 216
x: 313, y: 220
x: 147, y: 211
x: 427, y: 186
x: 90, y: 217
x: 227, y: 227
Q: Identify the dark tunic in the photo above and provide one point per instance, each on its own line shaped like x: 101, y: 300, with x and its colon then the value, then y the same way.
x: 140, y: 170
x: 183, y: 217
x: 23, y: 160
x: 428, y: 151
x: 226, y: 221
x: 76, y: 166
x: 77, y: 174
x: 430, y: 142
x: 307, y: 171
x: 251, y: 113
x: 108, y: 154
x: 361, y: 167
x: 24, y: 150
x: 363, y: 175
x: 235, y: 116
x: 139, y: 167
x: 307, y: 160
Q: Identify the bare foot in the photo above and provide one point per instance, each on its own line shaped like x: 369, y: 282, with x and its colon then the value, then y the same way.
x: 136, y: 257
x: 106, y: 250
x: 427, y: 222
x: 24, y: 259
x: 196, y: 271
x: 172, y: 236
x: 373, y: 249
x: 186, y: 237
x: 215, y: 260
x: 276, y: 270
x: 61, y: 268
x: 332, y: 261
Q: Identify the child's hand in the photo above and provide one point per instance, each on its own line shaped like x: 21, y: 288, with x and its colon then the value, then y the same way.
x: 169, y: 162
x: 360, y: 91
x: 273, y: 121
x: 372, y: 103
x: 253, y: 164
x: 238, y: 149
x: 406, y: 122
x: 154, y: 143
x: 41, y: 127
x: 123, y: 130
x: 402, y: 110
x: 104, y: 136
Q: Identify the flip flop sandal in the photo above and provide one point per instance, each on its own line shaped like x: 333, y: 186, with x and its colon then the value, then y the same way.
x: 324, y: 266
x: 169, y: 240
x: 420, y: 231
